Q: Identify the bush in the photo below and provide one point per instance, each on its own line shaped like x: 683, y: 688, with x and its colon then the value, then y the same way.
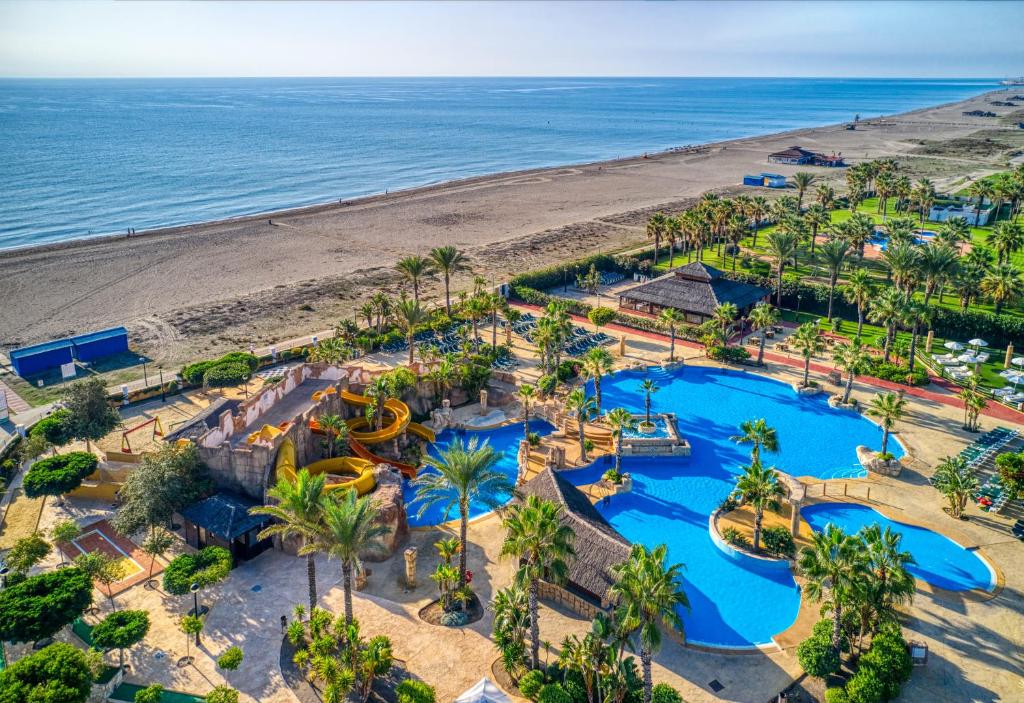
x: 56, y: 475
x: 546, y: 384
x: 195, y: 374
x: 531, y: 683
x: 889, y: 660
x: 612, y: 476
x: 730, y: 355
x: 40, y: 606
x: 534, y: 439
x: 728, y: 505
x: 150, y: 694
x: 663, y: 693
x: 1011, y: 472
x: 734, y: 536
x: 601, y: 316
x: 456, y: 618
x: 209, y: 565
x: 897, y: 374
x: 816, y: 655
x: 553, y: 693
x: 231, y: 659
x: 410, y: 691
x: 59, y: 673
x: 836, y: 694
x: 567, y: 370
x: 575, y: 688
x: 222, y: 694
x: 228, y: 373
x: 121, y: 629
x: 778, y: 540
x: 865, y: 687
x: 473, y: 377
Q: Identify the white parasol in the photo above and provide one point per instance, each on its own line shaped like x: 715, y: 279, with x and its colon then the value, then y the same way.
x: 953, y: 346
x: 1017, y: 361
x: 977, y: 342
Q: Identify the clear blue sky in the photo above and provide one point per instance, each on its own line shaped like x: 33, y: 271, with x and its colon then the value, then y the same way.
x: 98, y: 38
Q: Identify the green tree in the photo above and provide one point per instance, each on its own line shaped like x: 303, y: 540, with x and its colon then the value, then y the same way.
x: 412, y: 691
x: 1003, y: 284
x: 833, y: 564
x: 802, y: 180
x: 583, y: 407
x: 526, y: 394
x: 231, y: 659
x: 152, y: 693
x: 620, y: 420
x: 650, y: 594
x: 165, y: 481
x: 670, y: 319
x: 537, y: 537
x: 853, y: 359
x: 409, y: 316
x: 808, y: 340
x: 649, y: 387
x: 40, y: 606
x: 64, y: 531
x: 759, y: 488
x: 760, y: 435
x: 656, y: 227
x: 815, y: 218
x: 762, y: 318
x: 724, y: 314
x: 298, y: 509
x: 463, y: 472
x: 54, y: 428
x: 596, y: 363
x: 449, y: 261
x: 336, y: 430
x: 889, y: 409
x: 57, y: 475
x: 955, y: 479
x: 833, y: 255
x: 155, y: 546
x: 191, y: 626
x: 817, y: 656
x: 599, y: 317
x: 26, y: 553
x: 90, y: 417
x: 349, y: 526
x: 1005, y: 237
x: 58, y: 673
x: 120, y: 630
x: 415, y: 268
x: 782, y: 248
x: 103, y: 569
x: 890, y: 583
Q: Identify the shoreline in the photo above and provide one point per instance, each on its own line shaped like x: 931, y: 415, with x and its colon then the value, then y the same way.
x: 373, y: 198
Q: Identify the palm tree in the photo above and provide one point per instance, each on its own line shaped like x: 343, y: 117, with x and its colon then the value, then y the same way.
x: 954, y: 478
x: 655, y: 229
x: 649, y: 387
x: 885, y: 184
x: 596, y: 363
x: 824, y: 195
x: 477, y: 308
x: 937, y: 263
x: 537, y: 537
x: 348, y: 526
x: 669, y: 319
x: 449, y: 261
x: 760, y: 435
x: 858, y: 230
x: 408, y: 316
x: 807, y: 339
x: 892, y: 583
x: 782, y: 248
x: 368, y: 310
x: 759, y: 488
x: 735, y: 230
x: 1002, y: 284
x: 853, y: 359
x: 724, y: 314
x: 889, y: 409
x: 583, y: 406
x: 526, y: 394
x: 415, y: 268
x: 903, y: 260
x: 763, y: 317
x: 955, y: 232
x: 757, y: 210
x: 915, y: 314
x: 673, y: 231
x: 298, y: 510
x: 336, y: 430
x: 815, y: 218
x: 860, y: 291
x: 802, y: 180
x: 382, y: 307
x: 833, y: 253
x: 923, y: 195
x: 650, y: 594
x: 833, y: 564
x: 1005, y: 238
x: 620, y: 420
x: 465, y: 472
x: 887, y: 309
x: 980, y: 190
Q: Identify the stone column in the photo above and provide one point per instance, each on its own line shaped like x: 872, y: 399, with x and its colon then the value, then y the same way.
x: 483, y: 401
x: 1009, y: 355
x: 523, y: 461
x: 794, y: 517
x: 928, y: 342
x: 410, y: 567
x: 622, y: 345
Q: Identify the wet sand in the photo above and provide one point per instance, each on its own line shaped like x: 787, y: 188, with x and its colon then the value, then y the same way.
x: 188, y: 290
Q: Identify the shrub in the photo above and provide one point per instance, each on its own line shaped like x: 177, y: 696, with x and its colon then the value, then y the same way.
x: 836, y: 694
x: 534, y: 439
x: 553, y: 693
x: 531, y: 683
x: 588, y: 444
x: 865, y: 687
x: 601, y: 316
x: 663, y: 693
x: 612, y: 476
x: 567, y: 370
x: 231, y: 659
x: 473, y: 377
x: 410, y: 691
x: 56, y: 475
x: 889, y: 660
x: 41, y: 605
x: 227, y: 373
x: 1011, y: 472
x: 728, y: 504
x: 150, y: 694
x: 576, y: 690
x: 195, y: 374
x: 816, y: 655
x: 546, y: 384
x: 59, y: 673
x: 734, y: 536
x: 778, y: 540
x: 456, y: 618
x: 897, y: 374
x: 209, y: 565
x: 222, y: 694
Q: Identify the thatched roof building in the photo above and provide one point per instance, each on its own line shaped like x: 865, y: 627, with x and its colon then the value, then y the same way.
x: 598, y: 546
x: 695, y: 289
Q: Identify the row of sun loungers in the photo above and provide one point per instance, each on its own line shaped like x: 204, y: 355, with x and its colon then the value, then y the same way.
x: 988, y: 445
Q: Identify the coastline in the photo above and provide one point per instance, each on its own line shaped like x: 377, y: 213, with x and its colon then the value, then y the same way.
x: 223, y: 284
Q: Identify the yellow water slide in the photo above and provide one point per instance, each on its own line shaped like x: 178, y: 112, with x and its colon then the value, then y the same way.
x: 355, y: 473
x: 399, y: 413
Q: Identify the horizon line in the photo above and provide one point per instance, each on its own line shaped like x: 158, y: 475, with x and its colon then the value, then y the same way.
x: 491, y: 76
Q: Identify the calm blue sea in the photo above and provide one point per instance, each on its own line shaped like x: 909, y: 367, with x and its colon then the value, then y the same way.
x: 91, y: 157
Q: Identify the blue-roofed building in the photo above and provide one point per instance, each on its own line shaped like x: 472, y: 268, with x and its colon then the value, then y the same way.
x: 40, y: 358
x: 766, y: 180
x: 224, y: 520
x: 96, y: 345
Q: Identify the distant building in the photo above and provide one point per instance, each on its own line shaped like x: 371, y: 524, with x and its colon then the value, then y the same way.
x: 941, y: 213
x: 798, y: 156
x: 695, y: 290
x: 766, y: 180
x: 49, y: 356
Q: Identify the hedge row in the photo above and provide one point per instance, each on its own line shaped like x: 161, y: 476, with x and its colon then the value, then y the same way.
x: 238, y: 365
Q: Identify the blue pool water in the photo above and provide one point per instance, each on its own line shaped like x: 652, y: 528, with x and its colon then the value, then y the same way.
x: 660, y: 430
x: 505, y: 441
x: 940, y: 561
x: 881, y: 240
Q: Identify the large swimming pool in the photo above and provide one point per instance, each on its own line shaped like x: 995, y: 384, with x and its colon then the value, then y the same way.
x: 505, y: 441
x: 940, y: 561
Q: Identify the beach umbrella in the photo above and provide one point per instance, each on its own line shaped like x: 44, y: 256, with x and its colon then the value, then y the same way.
x: 969, y: 358
x: 953, y: 346
x: 1015, y: 378
x: 977, y: 342
x: 1017, y: 361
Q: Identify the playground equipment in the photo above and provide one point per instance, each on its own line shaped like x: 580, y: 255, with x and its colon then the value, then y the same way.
x: 267, y: 433
x: 359, y: 437
x: 158, y: 431
x: 359, y: 471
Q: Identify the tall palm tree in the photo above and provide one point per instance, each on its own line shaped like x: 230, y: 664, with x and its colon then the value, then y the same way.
x: 954, y: 232
x: 937, y: 264
x: 762, y: 318
x: 858, y: 230
x: 596, y: 363
x: 670, y: 319
x: 537, y: 537
x: 887, y: 309
x: 815, y: 218
x: 336, y: 430
x: 649, y: 387
x: 476, y: 308
x: 584, y: 408
x: 808, y: 340
x: 735, y: 230
x: 655, y: 230
x: 408, y: 316
x: 1005, y: 238
x: 415, y: 268
x: 923, y: 196
x: 885, y: 184
x: 859, y: 290
x: 464, y: 472
x: 650, y: 594
x: 449, y: 261
x: 888, y: 563
x: 348, y: 526
x: 382, y: 308
x: 802, y: 180
x: 758, y: 486
x: 527, y: 394
x: 298, y: 509
x: 620, y: 420
x: 833, y: 564
x: 760, y: 435
x: 824, y: 195
x: 955, y: 479
x: 757, y: 210
x: 1003, y: 284
x: 979, y: 190
x: 889, y: 409
x: 915, y: 314
x: 673, y: 232
x: 833, y: 254
x: 724, y: 314
x: 782, y: 247
x: 903, y: 260
x: 853, y: 359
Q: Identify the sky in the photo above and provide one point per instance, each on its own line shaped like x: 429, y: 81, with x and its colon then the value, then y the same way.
x: 158, y: 39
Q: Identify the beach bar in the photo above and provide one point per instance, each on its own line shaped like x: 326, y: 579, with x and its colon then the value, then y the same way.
x: 695, y: 290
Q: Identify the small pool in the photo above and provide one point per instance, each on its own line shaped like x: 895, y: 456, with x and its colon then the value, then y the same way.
x: 504, y: 439
x: 940, y: 561
x: 660, y: 430
x: 880, y: 238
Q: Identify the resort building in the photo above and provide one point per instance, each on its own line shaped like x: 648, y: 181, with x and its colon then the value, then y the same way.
x: 695, y: 290
x: 223, y: 520
x: 975, y: 218
x: 798, y: 156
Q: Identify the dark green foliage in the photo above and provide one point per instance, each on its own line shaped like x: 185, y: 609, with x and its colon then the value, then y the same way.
x: 56, y: 674
x: 546, y: 384
x: 26, y: 553
x: 531, y: 683
x: 663, y: 693
x: 567, y: 370
x: 730, y: 355
x: 553, y: 693
x: 56, y: 475
x: 90, y: 417
x: 149, y: 694
x: 897, y: 373
x: 410, y: 691
x: 195, y: 374
x: 734, y: 536
x: 778, y: 540
x: 208, y: 566
x: 121, y: 629
x: 231, y: 659
x: 229, y: 373
x: 473, y: 377
x: 823, y: 629
x: 41, y: 605
x: 889, y: 661
x: 222, y: 694
x: 1011, y: 472
x: 816, y: 655
x: 865, y: 687
x: 54, y: 427
x: 166, y: 480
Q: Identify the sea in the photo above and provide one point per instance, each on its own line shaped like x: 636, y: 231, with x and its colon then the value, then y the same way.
x: 90, y: 157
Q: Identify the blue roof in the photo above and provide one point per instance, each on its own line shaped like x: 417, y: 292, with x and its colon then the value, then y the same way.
x: 772, y: 175
x: 102, y: 334
x: 39, y: 348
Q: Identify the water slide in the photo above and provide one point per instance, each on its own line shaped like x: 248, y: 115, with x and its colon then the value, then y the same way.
x: 355, y: 473
x: 359, y: 436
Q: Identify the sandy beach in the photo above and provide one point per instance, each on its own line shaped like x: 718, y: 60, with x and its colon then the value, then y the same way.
x: 202, y: 288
